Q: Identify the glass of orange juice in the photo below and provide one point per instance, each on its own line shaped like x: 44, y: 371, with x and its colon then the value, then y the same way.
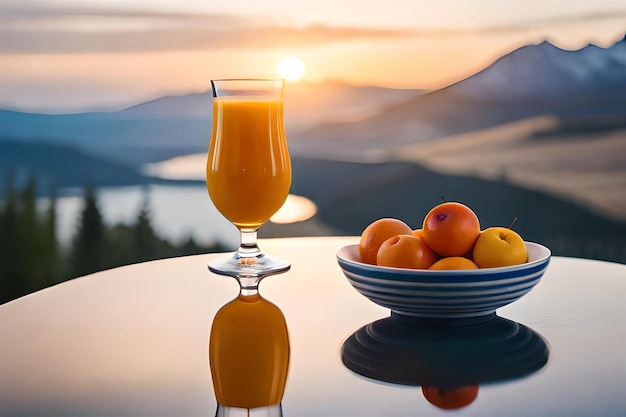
x: 248, y: 171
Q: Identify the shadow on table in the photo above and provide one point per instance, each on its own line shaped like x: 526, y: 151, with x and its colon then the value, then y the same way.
x: 249, y: 357
x: 448, y: 362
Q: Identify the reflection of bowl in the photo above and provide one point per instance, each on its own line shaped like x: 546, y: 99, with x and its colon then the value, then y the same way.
x: 396, y: 351
x: 444, y: 294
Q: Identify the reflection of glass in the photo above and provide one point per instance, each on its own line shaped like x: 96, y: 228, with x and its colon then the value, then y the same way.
x: 249, y: 357
x: 248, y: 172
x: 448, y: 362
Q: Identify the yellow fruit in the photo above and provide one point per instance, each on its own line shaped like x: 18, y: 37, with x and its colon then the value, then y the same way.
x: 499, y: 246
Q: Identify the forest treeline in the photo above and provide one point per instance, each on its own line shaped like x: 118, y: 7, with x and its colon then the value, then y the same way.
x: 31, y: 257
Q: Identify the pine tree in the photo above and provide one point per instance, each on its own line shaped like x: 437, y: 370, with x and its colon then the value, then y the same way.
x: 120, y: 245
x: 11, y: 286
x: 28, y: 246
x: 88, y: 252
x: 51, y: 244
x: 147, y: 245
x: 29, y: 241
x: 144, y: 238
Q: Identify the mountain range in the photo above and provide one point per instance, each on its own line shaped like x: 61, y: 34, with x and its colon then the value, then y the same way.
x: 577, y: 87
x: 548, y: 73
x: 579, y: 90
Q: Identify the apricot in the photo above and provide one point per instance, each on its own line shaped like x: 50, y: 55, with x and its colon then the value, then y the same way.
x: 405, y: 251
x: 450, y: 398
x: 454, y: 262
x: 450, y: 229
x: 376, y: 233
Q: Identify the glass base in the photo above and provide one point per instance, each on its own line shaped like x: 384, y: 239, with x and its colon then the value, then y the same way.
x: 275, y: 410
x: 258, y: 266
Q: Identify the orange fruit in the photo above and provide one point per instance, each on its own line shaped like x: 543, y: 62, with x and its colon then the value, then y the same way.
x: 376, y: 233
x: 418, y: 233
x: 450, y: 398
x: 453, y: 262
x: 450, y: 229
x: 405, y: 251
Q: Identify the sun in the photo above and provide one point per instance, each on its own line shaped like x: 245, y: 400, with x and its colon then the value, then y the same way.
x: 291, y: 68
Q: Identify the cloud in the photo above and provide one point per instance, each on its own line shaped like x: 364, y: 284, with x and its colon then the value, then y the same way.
x: 530, y: 25
x: 583, y: 17
x: 91, y: 31
x: 84, y: 30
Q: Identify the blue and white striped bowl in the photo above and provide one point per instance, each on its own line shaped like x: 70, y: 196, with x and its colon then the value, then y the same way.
x: 451, y: 294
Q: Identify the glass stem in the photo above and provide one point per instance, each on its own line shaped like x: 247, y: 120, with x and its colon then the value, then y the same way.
x: 248, y: 284
x: 248, y: 244
x: 248, y: 249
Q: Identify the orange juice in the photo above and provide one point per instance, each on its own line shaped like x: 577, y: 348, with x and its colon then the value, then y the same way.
x: 248, y: 169
x: 249, y: 353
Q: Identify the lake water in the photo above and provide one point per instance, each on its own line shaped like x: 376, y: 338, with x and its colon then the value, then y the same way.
x: 176, y: 212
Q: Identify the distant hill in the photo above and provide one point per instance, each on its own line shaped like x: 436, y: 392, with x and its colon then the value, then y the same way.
x: 178, y: 125
x: 186, y: 106
x: 355, y: 194
x: 128, y: 140
x: 310, y: 104
x: 307, y: 104
x: 61, y: 166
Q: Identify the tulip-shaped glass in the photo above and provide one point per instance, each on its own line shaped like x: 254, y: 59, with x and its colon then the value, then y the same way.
x: 248, y: 172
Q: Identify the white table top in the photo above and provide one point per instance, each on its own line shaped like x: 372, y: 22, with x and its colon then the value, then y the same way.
x: 133, y: 341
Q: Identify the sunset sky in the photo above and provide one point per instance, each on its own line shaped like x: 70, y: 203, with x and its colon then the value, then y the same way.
x: 76, y: 55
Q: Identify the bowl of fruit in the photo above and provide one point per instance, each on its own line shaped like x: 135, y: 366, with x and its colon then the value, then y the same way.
x: 450, y: 268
